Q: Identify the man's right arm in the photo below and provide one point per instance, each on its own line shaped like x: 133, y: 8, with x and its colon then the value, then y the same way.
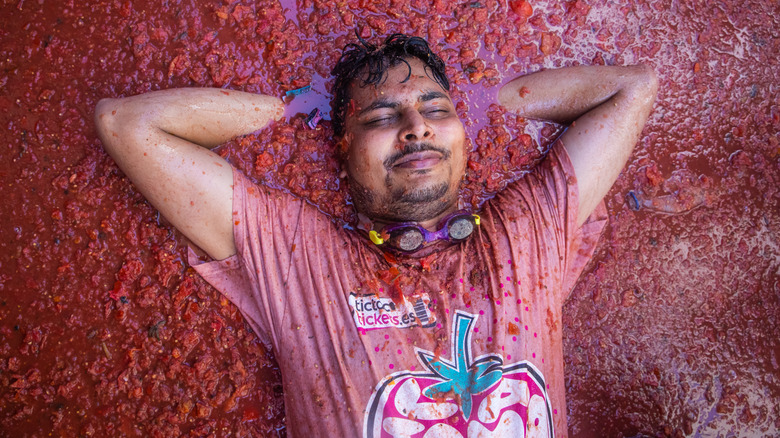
x: 161, y: 141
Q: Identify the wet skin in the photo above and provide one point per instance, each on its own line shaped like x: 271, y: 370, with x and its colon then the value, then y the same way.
x: 406, y: 148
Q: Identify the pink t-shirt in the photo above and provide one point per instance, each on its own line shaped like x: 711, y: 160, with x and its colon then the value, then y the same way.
x: 465, y: 341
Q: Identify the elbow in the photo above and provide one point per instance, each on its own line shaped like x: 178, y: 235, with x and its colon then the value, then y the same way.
x: 103, y: 114
x: 644, y: 83
x: 648, y: 80
x: 102, y: 107
x: 113, y: 117
x: 111, y: 120
x: 651, y: 81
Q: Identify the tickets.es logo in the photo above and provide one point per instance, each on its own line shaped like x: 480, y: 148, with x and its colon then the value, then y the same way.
x: 375, y: 312
x: 461, y: 397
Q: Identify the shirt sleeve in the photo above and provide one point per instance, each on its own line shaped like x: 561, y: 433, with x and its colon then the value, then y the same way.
x: 550, y: 196
x: 265, y: 222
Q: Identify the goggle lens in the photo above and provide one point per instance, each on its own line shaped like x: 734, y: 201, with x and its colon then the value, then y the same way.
x: 461, y: 227
x: 407, y: 239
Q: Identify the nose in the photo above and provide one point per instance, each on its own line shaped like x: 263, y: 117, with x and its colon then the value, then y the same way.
x: 414, y: 128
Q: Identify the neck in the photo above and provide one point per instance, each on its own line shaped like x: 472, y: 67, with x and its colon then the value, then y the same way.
x: 429, y: 224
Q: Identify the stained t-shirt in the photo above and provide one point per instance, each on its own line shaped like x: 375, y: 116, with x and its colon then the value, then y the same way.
x: 462, y: 339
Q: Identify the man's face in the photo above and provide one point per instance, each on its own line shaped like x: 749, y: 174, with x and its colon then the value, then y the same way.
x: 406, y: 147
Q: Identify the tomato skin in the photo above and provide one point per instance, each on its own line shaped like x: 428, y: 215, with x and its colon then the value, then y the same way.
x: 522, y: 8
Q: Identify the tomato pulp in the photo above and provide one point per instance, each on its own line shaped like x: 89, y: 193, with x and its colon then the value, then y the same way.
x: 106, y: 331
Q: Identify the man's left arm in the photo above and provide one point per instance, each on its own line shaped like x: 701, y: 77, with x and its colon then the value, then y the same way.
x: 606, y: 107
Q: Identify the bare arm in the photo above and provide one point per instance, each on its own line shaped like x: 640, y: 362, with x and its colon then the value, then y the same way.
x: 607, y: 108
x: 160, y: 140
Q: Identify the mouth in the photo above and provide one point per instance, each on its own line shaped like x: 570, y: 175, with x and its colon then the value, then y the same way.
x: 418, y: 160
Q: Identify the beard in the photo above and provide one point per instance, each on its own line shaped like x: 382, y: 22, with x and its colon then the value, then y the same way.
x: 405, y: 202
x: 416, y: 205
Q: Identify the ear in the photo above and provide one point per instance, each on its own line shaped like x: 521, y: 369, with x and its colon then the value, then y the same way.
x: 342, y: 153
x: 343, y: 145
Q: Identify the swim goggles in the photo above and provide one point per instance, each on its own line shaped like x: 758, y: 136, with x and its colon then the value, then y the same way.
x: 409, y: 236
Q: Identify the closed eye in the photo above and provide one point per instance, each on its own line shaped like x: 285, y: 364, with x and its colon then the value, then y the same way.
x: 379, y: 120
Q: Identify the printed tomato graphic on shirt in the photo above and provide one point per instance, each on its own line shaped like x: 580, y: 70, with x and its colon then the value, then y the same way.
x: 461, y: 397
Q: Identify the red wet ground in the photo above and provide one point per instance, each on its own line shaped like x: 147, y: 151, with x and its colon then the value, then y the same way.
x: 104, y: 330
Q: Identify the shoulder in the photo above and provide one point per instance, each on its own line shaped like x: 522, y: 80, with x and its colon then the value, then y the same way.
x: 553, y: 174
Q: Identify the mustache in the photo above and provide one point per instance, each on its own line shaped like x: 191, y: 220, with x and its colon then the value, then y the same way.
x: 411, y: 148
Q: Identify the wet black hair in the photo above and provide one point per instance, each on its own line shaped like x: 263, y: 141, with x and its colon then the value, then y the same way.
x: 370, y: 63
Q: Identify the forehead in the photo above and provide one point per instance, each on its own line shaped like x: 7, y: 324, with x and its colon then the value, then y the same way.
x: 401, y: 79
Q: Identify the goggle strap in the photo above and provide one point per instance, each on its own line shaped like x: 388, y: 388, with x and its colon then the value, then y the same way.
x: 377, y: 239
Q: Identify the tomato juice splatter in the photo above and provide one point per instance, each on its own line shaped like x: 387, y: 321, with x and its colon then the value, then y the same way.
x: 105, y: 330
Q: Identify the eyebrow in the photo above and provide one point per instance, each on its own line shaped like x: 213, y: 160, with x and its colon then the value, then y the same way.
x: 387, y: 103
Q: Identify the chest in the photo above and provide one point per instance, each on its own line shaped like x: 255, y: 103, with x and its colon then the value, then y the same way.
x: 385, y: 312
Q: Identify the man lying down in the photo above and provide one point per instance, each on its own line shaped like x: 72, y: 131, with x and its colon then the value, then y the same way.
x: 469, y: 343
